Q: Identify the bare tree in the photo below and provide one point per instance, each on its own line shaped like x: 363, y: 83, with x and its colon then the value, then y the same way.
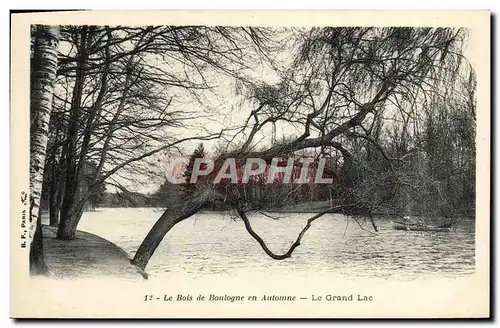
x: 44, y: 66
x: 357, y: 95
x: 120, y: 97
x: 341, y: 80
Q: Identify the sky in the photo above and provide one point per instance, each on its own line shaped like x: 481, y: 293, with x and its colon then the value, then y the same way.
x: 230, y: 111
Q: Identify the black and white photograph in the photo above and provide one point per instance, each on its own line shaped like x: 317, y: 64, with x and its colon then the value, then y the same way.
x: 198, y: 151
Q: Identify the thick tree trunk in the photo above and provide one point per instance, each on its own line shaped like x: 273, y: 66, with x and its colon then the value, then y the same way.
x: 54, y: 206
x: 55, y: 178
x: 44, y: 69
x: 71, y: 183
x: 54, y: 216
x: 66, y: 229
x: 165, y: 223
x: 37, y: 263
x: 153, y: 239
x: 54, y: 196
x: 67, y: 226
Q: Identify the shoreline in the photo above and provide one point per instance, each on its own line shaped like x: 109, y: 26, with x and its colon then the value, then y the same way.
x: 86, y: 256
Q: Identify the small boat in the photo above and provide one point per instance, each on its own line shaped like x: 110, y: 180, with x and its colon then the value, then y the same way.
x: 420, y: 227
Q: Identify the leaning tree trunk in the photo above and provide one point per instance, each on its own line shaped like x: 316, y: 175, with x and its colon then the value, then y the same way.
x: 165, y: 223
x: 44, y: 70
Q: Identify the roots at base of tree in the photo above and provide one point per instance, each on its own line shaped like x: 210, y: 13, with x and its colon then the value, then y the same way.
x: 66, y: 231
x: 39, y: 269
x: 141, y: 271
x: 37, y: 262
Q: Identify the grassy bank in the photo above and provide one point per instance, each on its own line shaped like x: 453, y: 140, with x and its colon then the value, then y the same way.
x: 86, y: 256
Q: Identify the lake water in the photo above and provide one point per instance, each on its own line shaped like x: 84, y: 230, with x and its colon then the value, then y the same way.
x: 212, y: 243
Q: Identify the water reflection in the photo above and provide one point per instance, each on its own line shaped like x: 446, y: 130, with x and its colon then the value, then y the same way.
x: 213, y: 243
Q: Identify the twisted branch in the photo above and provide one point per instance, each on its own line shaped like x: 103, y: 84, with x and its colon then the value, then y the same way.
x: 296, y: 244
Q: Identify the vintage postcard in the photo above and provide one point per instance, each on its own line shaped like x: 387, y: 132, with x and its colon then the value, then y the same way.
x: 259, y: 164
